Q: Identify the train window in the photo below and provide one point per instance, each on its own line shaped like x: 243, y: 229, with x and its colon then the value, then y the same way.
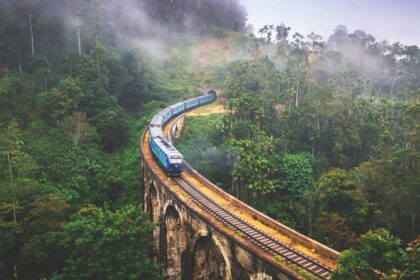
x: 176, y: 161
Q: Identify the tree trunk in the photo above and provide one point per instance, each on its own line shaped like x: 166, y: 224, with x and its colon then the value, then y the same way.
x: 9, y: 162
x: 413, y: 223
x: 98, y: 67
x: 232, y: 186
x: 392, y: 87
x: 15, y: 274
x: 19, y: 64
x: 78, y: 36
x: 297, y: 94
x: 138, y: 66
x: 380, y: 88
x: 311, y: 208
x: 32, y: 34
x: 318, y: 125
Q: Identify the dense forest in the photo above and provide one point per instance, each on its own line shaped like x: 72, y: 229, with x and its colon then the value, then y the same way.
x: 322, y: 135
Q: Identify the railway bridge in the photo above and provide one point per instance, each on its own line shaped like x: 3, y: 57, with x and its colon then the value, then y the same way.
x: 204, y: 233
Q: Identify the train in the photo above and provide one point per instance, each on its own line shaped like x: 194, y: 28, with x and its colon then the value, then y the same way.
x: 168, y: 157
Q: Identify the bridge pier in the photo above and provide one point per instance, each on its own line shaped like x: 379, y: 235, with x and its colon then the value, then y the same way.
x: 189, y: 249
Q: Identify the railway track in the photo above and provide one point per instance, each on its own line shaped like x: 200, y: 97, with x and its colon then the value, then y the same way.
x: 256, y: 236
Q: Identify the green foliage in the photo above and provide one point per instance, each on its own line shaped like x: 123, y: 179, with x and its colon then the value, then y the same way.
x: 109, y: 245
x: 200, y: 146
x: 244, y: 130
x: 345, y: 209
x: 112, y: 126
x: 303, y: 112
x: 39, y: 214
x: 412, y: 261
x: 132, y: 80
x: 296, y: 174
x: 378, y: 253
x: 70, y: 108
x: 77, y: 130
x: 15, y: 97
x: 253, y: 169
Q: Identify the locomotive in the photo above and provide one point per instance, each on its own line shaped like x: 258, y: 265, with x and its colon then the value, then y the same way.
x: 165, y: 153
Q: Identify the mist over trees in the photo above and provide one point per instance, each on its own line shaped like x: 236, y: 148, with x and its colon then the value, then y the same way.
x: 37, y: 27
x: 323, y: 137
x: 377, y: 68
x: 78, y: 82
x: 319, y: 133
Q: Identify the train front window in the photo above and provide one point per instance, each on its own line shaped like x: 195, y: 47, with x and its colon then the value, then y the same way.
x: 176, y: 159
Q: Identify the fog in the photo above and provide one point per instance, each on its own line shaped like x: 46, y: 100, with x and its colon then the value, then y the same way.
x: 157, y: 26
x: 121, y: 24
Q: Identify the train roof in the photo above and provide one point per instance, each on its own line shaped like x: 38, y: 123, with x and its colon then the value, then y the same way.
x: 167, y: 147
x: 176, y: 105
x: 156, y: 132
x: 192, y: 99
x: 157, y: 120
x: 163, y: 112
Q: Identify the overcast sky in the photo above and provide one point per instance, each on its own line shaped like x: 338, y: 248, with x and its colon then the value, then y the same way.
x: 394, y: 20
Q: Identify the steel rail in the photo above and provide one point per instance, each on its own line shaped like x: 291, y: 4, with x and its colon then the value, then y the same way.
x: 255, y: 235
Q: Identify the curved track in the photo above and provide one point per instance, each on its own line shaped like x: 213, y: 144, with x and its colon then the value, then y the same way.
x: 276, y: 242
x: 256, y: 236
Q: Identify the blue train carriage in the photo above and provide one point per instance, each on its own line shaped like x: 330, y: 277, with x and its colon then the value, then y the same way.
x: 157, y: 121
x: 166, y: 154
x: 155, y: 127
x: 168, y: 157
x: 197, y: 101
x: 166, y: 114
x: 192, y: 103
x: 177, y: 108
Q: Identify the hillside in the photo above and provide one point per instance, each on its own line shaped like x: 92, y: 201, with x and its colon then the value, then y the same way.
x: 322, y: 135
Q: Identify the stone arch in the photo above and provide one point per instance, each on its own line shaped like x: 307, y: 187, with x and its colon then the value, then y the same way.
x: 174, y: 241
x: 209, y: 262
x: 170, y: 203
x: 176, y: 131
x: 153, y: 208
x: 153, y: 203
x: 177, y: 127
x: 261, y: 276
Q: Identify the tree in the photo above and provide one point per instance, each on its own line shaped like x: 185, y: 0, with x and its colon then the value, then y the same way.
x: 338, y: 38
x: 107, y: 244
x: 12, y: 87
x: 316, y: 43
x: 298, y: 65
x: 63, y: 99
x: 19, y: 164
x: 343, y: 206
x: 77, y: 129
x: 282, y: 32
x: 267, y: 32
x: 254, y: 172
x: 296, y: 174
x: 286, y: 202
x: 112, y: 126
x: 411, y: 261
x: 378, y: 254
x: 29, y: 6
x: 99, y: 54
